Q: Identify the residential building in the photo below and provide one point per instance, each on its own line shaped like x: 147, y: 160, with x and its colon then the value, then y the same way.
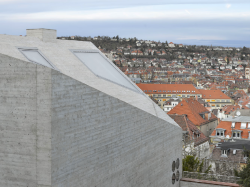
x: 194, y: 141
x: 197, y: 114
x: 216, y: 98
x: 70, y: 117
x: 247, y: 71
x: 236, y: 126
x: 232, y: 152
x: 226, y: 111
x: 171, y: 103
x: 171, y: 44
x: 164, y: 92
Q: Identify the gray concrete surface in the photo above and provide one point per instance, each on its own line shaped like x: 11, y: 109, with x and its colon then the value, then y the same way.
x: 70, y: 128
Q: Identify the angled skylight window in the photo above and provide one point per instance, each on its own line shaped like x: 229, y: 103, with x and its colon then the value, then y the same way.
x: 102, y: 68
x: 35, y: 56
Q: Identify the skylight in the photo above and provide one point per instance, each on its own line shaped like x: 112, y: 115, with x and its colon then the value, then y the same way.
x: 35, y: 56
x: 102, y: 68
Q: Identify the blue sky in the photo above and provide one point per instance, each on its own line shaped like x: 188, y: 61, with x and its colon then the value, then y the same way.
x: 196, y: 22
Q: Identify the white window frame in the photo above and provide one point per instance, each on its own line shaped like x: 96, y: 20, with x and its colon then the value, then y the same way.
x: 243, y: 125
x: 136, y: 89
x: 22, y: 49
x: 224, y: 152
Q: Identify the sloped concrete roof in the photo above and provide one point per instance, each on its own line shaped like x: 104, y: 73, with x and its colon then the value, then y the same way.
x: 58, y: 52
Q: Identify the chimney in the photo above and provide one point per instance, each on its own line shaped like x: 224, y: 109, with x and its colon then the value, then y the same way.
x: 46, y: 35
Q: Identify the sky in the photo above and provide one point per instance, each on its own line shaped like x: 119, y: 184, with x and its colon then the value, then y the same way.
x: 191, y: 22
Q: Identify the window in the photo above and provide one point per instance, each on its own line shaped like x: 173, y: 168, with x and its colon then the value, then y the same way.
x: 224, y: 152
x: 236, y: 134
x: 35, y: 56
x: 243, y: 125
x: 164, y: 95
x: 220, y: 133
x: 233, y: 124
x: 101, y: 67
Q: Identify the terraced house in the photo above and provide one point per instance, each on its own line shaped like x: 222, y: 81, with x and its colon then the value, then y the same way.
x: 236, y: 126
x: 216, y: 98
x: 163, y: 92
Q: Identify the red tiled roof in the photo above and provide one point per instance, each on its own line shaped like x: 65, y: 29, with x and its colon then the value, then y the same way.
x: 227, y: 126
x: 213, y: 94
x: 170, y: 88
x: 188, y: 126
x: 230, y: 108
x: 192, y: 108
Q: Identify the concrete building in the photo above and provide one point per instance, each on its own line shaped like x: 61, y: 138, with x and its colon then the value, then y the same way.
x: 70, y: 118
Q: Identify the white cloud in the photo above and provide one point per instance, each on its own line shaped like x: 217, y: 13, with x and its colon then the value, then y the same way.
x: 140, y: 13
x: 188, y: 12
x: 156, y: 12
x: 228, y: 5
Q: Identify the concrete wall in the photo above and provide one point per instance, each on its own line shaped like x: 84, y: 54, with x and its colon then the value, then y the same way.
x: 98, y: 140
x: 24, y: 124
x: 205, y: 129
x: 56, y: 131
x: 203, y: 150
x: 43, y: 34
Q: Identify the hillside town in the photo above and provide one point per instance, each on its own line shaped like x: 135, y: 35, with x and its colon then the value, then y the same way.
x: 204, y: 89
x: 82, y: 111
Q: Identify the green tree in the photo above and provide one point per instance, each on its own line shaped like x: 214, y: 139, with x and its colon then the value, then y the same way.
x: 244, y: 173
x: 244, y: 49
x: 193, y: 164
